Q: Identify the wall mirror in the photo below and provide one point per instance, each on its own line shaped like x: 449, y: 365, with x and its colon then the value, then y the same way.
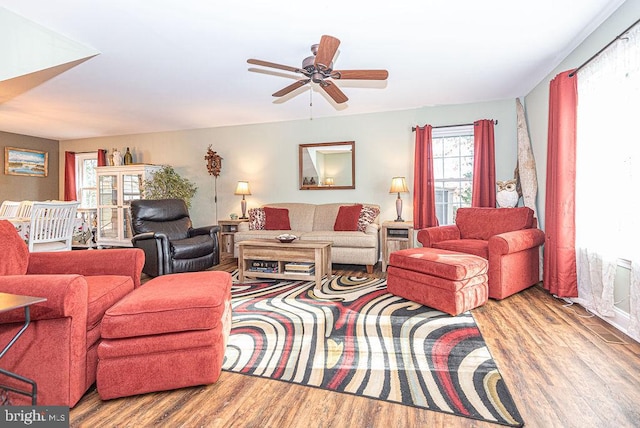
x: 327, y: 166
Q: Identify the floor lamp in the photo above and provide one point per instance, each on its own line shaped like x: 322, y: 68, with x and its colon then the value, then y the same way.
x: 243, y: 189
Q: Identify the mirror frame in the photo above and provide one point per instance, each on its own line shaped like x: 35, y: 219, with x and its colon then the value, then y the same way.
x: 301, y: 149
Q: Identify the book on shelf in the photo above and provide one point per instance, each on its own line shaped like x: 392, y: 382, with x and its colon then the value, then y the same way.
x: 263, y: 264
x: 299, y: 272
x: 263, y: 269
x: 299, y: 266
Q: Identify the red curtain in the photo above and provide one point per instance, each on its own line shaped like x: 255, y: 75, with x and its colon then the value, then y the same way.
x: 560, y: 276
x: 424, y: 195
x: 102, y: 157
x: 70, y: 176
x: 483, y: 193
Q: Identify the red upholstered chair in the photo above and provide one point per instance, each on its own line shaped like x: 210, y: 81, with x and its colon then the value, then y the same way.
x: 507, y: 237
x: 59, y: 348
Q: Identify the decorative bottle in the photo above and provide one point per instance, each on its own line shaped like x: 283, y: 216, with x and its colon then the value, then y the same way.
x: 128, y: 158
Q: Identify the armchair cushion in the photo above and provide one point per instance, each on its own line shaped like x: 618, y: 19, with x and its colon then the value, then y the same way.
x: 118, y: 261
x: 483, y: 223
x: 477, y: 247
x: 16, y: 260
x: 190, y: 248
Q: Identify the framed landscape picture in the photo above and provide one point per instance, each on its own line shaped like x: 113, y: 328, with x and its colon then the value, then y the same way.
x: 26, y: 162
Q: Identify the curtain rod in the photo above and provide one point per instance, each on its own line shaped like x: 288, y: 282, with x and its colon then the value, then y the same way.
x: 618, y: 37
x: 495, y: 122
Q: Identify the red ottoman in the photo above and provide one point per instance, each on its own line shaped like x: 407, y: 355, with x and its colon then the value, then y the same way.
x: 445, y: 280
x: 169, y: 333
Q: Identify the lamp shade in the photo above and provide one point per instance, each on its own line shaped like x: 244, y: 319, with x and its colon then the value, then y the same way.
x: 242, y: 188
x: 328, y: 181
x: 398, y: 185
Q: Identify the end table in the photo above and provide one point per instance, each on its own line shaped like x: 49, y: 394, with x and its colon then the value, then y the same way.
x: 228, y: 229
x: 396, y: 235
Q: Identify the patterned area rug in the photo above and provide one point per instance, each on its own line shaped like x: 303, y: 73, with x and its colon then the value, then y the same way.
x: 352, y: 336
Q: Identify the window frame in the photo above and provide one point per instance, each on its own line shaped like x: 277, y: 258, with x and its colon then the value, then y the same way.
x: 446, y: 216
x: 80, y: 177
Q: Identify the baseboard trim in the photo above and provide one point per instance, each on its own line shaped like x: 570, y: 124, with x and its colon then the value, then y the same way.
x: 620, y: 321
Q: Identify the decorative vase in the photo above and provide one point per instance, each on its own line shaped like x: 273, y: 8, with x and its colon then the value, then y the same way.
x: 128, y: 157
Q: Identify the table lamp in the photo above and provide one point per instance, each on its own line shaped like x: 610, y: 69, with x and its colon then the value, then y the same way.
x: 398, y: 185
x: 243, y: 189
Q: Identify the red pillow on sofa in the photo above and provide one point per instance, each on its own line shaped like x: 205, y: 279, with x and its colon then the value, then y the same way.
x: 348, y: 216
x: 276, y: 219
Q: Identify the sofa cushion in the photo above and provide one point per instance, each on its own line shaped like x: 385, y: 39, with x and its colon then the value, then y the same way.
x: 347, y: 218
x: 256, y: 219
x: 483, y: 223
x: 348, y: 239
x: 276, y: 219
x: 367, y: 216
x: 15, y: 257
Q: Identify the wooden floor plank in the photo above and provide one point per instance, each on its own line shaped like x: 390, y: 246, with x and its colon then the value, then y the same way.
x: 560, y: 373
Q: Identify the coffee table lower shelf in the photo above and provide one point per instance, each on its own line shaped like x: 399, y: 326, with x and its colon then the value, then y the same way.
x: 316, y: 252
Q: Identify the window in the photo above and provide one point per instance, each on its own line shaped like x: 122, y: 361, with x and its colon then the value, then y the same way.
x: 86, y: 164
x: 453, y: 170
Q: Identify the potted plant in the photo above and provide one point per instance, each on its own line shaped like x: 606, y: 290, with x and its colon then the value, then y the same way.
x: 166, y: 183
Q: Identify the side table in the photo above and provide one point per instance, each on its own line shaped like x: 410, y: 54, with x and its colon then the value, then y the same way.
x: 228, y: 229
x: 9, y: 302
x: 396, y: 235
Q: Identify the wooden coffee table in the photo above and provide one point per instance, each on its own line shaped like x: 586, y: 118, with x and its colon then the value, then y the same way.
x: 277, y: 254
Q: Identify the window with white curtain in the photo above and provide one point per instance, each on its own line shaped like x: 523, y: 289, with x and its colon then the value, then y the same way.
x: 608, y: 175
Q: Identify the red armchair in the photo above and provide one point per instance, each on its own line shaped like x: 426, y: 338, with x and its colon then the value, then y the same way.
x: 507, y: 237
x: 59, y: 349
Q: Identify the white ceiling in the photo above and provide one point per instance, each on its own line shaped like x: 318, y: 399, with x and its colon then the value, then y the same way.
x: 171, y: 65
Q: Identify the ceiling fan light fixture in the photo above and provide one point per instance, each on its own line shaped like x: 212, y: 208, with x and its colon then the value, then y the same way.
x: 308, y: 65
x: 319, y: 69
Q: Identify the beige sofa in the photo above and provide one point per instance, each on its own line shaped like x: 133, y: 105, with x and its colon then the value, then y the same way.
x: 312, y: 222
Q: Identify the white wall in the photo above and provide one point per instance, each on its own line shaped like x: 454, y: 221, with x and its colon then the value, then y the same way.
x: 267, y: 155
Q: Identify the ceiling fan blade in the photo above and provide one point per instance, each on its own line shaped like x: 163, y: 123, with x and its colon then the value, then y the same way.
x: 360, y: 74
x: 297, y: 84
x: 273, y: 65
x: 333, y: 91
x: 326, y: 51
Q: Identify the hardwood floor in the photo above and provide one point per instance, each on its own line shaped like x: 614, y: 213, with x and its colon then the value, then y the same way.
x: 559, y: 371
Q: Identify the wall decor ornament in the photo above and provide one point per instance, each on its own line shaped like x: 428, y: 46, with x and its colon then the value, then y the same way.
x: 214, y: 162
x: 27, y: 162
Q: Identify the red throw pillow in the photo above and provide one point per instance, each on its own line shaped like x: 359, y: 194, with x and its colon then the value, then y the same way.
x: 347, y: 218
x: 276, y: 219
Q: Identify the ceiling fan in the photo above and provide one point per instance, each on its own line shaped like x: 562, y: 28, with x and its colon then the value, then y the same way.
x: 319, y: 69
